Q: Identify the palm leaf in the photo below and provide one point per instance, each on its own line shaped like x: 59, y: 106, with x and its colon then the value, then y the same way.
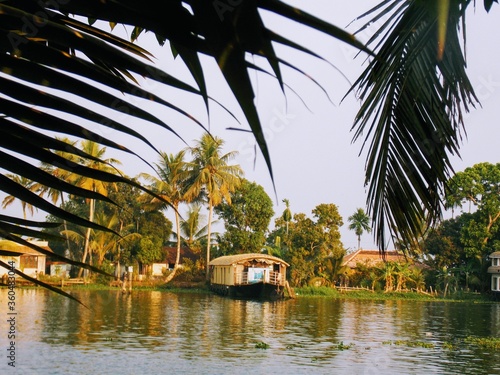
x: 28, y: 223
x: 411, y: 116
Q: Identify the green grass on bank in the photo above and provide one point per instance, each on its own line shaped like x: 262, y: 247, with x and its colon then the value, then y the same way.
x: 323, y: 291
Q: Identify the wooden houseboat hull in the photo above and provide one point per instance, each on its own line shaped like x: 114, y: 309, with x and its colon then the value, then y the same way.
x: 259, y: 291
x: 254, y: 276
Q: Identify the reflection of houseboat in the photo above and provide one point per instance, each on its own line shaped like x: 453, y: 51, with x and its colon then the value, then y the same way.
x: 249, y: 275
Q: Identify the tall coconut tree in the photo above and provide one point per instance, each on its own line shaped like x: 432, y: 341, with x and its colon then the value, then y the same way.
x: 171, y: 186
x: 94, y: 160
x: 211, y: 173
x: 359, y: 222
x: 193, y: 229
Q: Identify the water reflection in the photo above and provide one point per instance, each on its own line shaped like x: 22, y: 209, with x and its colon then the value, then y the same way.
x: 207, y: 334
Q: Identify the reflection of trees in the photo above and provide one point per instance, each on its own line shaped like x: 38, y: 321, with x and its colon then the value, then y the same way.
x: 204, y: 328
x: 112, y: 318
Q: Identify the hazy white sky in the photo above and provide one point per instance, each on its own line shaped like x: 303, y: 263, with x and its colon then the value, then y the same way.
x: 313, y: 158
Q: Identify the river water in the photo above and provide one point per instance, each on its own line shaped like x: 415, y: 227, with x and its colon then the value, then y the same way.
x: 153, y: 332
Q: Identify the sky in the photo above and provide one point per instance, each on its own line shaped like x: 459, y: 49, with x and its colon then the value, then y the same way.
x: 313, y: 158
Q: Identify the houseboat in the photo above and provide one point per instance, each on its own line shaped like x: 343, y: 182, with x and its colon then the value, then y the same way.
x: 257, y: 276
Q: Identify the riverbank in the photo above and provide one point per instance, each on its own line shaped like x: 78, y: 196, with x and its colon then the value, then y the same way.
x: 459, y: 296
x: 320, y: 292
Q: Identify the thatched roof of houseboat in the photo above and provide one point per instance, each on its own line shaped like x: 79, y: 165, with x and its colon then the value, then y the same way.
x: 495, y: 254
x: 242, y: 258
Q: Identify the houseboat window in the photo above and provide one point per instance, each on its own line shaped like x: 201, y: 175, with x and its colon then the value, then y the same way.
x: 495, y: 261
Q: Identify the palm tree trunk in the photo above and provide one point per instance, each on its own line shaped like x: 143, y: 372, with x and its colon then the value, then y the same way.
x: 65, y: 224
x: 209, y: 233
x: 87, y: 238
x: 178, y: 256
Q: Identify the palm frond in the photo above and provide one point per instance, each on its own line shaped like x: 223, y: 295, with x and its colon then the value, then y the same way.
x: 411, y: 117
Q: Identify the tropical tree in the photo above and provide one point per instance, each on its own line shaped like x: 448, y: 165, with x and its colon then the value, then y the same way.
x: 478, y: 185
x: 103, y: 243
x: 129, y: 211
x: 193, y: 232
x: 311, y: 242
x: 416, y: 278
x: 420, y: 62
x: 170, y: 188
x: 335, y: 271
x: 211, y: 173
x: 387, y: 273
x: 287, y: 213
x: 93, y: 159
x: 155, y: 230
x: 359, y: 222
x: 246, y: 219
x: 275, y: 248
x: 194, y: 228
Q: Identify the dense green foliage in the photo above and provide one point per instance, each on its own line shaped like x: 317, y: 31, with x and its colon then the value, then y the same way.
x: 458, y: 248
x: 246, y: 220
x: 307, y: 244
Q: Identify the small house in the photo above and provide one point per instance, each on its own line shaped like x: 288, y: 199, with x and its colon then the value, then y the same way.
x: 168, y: 262
x: 372, y: 258
x: 26, y: 259
x: 59, y: 269
x: 251, y: 275
x: 494, y: 270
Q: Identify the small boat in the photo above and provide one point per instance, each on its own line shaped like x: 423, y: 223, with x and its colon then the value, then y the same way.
x: 253, y: 275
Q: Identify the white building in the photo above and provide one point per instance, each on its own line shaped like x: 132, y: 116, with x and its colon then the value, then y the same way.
x: 26, y: 259
x: 494, y: 270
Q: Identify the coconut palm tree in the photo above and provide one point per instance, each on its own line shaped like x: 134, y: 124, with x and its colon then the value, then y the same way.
x: 193, y: 232
x: 170, y: 188
x: 335, y: 270
x: 95, y: 161
x: 359, y: 222
x: 211, y: 173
